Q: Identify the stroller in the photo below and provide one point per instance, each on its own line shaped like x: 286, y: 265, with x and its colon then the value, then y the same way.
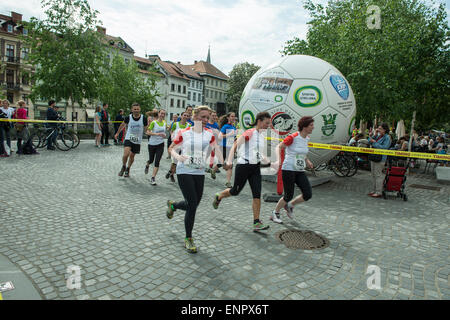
x: 395, y: 181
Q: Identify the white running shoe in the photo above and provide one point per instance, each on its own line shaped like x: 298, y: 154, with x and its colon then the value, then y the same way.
x: 289, y: 211
x: 152, y: 181
x: 275, y: 217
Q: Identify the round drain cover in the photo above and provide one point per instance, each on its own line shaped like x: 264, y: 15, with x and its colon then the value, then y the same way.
x: 302, y: 239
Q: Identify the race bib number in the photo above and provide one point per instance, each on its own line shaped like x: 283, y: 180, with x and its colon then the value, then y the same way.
x: 195, y: 161
x: 134, y: 138
x: 300, y: 162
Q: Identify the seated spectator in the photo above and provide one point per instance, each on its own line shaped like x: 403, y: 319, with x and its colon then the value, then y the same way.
x: 354, y: 141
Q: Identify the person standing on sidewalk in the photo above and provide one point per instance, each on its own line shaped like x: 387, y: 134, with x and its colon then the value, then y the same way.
x: 194, y: 143
x: 97, y: 126
x: 378, y: 139
x: 21, y: 127
x: 6, y: 128
x: 293, y: 168
x: 136, y: 124
x: 119, y: 118
x: 52, y: 114
x: 105, y: 126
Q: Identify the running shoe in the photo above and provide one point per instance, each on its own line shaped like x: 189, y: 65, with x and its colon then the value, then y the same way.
x: 275, y: 217
x: 289, y: 211
x: 146, y: 169
x: 170, y: 209
x: 189, y: 245
x: 122, y: 171
x: 168, y: 174
x: 172, y: 178
x: 216, y: 201
x: 260, y: 226
x: 213, y: 174
x: 127, y: 173
x: 228, y: 185
x: 153, y: 182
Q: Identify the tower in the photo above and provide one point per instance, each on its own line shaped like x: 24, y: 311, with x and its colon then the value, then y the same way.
x: 208, y: 59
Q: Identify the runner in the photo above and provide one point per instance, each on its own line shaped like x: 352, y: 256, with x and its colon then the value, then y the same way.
x: 194, y: 142
x: 293, y: 169
x: 227, y: 136
x: 157, y: 132
x: 214, y: 126
x: 250, y: 149
x: 177, y: 127
x: 135, y: 123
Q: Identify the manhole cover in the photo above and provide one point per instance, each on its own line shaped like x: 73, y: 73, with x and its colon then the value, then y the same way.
x: 420, y: 186
x: 302, y: 239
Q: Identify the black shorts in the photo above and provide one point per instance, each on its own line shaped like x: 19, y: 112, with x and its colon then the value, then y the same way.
x: 135, y: 148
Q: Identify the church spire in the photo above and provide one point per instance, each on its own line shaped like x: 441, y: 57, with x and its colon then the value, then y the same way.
x: 208, y: 59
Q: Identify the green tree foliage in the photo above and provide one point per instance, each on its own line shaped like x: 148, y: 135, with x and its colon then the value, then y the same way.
x: 394, y: 70
x: 239, y: 76
x: 123, y: 85
x: 66, y: 51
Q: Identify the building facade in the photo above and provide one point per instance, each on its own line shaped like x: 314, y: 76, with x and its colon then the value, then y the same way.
x: 15, y: 83
x: 195, y: 87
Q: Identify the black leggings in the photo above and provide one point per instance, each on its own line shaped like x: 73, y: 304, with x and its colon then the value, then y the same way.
x: 250, y: 172
x: 155, y: 153
x: 192, y: 188
x: 292, y: 178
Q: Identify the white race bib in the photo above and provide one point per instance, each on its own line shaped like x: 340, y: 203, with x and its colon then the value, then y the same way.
x: 300, y: 162
x: 134, y: 138
x: 195, y: 160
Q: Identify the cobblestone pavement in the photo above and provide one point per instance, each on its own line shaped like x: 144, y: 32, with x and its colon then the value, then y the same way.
x: 70, y: 208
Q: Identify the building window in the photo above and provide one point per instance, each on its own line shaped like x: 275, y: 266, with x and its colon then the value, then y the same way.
x: 10, y: 97
x: 127, y: 61
x: 217, y: 83
x: 184, y: 89
x: 194, y: 96
x: 201, y: 85
x: 25, y: 52
x: 184, y: 104
x: 199, y: 97
x: 215, y: 94
x: 178, y: 103
x: 10, y: 28
x: 220, y: 83
x: 206, y: 93
x: 189, y: 95
x: 25, y: 77
x: 172, y: 88
x: 179, y: 88
x: 207, y: 80
x: 171, y: 102
x: 10, y: 50
x: 220, y: 95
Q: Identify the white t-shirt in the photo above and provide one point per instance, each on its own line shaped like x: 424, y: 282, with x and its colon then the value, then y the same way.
x: 155, y: 127
x: 194, y: 145
x: 296, y: 151
x: 252, y: 150
x: 9, y: 112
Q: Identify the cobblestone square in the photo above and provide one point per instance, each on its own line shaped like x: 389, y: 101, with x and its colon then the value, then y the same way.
x: 62, y: 209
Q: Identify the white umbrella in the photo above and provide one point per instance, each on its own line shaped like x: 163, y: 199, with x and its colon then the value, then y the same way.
x: 401, y: 130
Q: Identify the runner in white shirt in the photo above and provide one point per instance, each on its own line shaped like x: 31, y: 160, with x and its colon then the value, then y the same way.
x: 250, y: 149
x: 177, y: 126
x: 136, y: 124
x: 293, y: 169
x: 194, y: 142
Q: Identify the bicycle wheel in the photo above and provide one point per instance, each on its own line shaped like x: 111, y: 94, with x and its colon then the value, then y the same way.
x: 43, y: 136
x: 340, y: 166
x: 353, y: 165
x: 321, y: 167
x: 76, y: 140
x: 64, y: 142
x: 35, y: 140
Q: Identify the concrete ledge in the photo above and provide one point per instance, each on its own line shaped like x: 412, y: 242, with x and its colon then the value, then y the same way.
x: 443, y: 174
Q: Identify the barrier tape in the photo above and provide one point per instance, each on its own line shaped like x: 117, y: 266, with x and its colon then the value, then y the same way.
x: 1, y: 298
x: 395, y: 153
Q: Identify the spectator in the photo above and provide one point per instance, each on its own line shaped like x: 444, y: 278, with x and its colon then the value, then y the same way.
x: 440, y: 146
x: 52, y: 114
x: 6, y: 128
x: 21, y: 127
x: 98, y: 126
x: 3, y: 116
x: 117, y: 121
x: 379, y: 140
x: 105, y: 119
x: 354, y: 141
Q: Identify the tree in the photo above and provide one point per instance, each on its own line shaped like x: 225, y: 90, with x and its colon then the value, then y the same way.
x: 239, y: 76
x: 66, y: 51
x: 394, y: 70
x: 123, y: 85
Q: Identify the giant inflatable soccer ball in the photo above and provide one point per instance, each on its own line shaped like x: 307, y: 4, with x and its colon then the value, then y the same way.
x: 297, y: 86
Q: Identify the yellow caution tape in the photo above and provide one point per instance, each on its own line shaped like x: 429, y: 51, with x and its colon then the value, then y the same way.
x: 1, y: 298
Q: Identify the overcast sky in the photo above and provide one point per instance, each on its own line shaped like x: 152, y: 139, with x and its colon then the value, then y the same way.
x: 238, y: 30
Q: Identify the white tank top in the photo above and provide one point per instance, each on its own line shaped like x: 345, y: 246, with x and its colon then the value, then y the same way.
x: 135, y: 130
x: 156, y: 140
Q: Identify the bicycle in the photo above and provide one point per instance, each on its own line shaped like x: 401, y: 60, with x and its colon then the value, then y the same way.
x: 63, y: 141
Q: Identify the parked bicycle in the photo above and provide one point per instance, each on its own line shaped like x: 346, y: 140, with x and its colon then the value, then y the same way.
x: 344, y: 164
x: 64, y: 140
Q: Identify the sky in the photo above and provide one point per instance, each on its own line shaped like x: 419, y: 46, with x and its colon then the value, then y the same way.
x: 238, y: 31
